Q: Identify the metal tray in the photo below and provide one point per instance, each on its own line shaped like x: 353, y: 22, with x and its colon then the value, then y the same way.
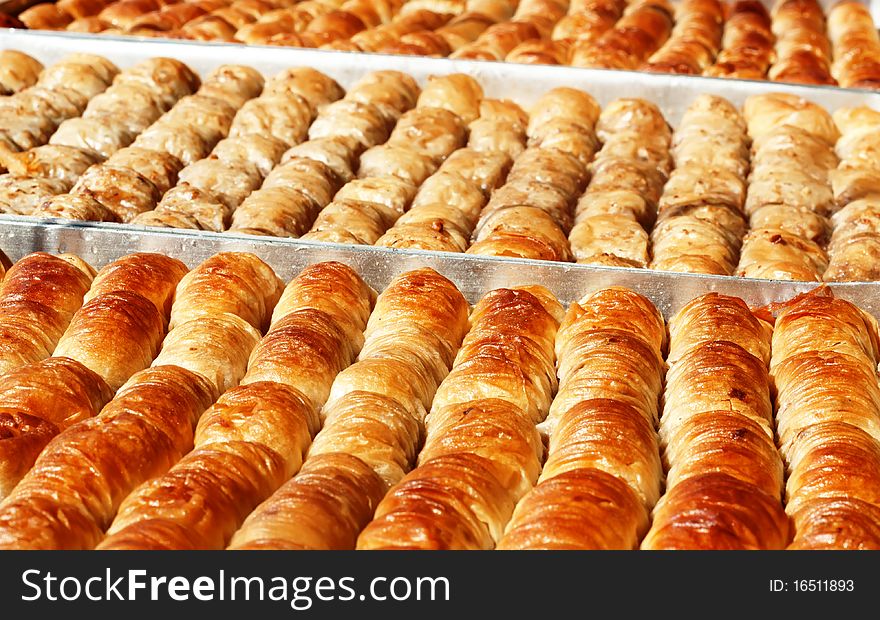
x: 522, y: 83
x: 474, y: 275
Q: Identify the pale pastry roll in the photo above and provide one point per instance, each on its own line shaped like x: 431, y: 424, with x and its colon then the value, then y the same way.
x: 779, y: 255
x: 65, y: 163
x: 285, y: 117
x: 258, y: 151
x: 315, y: 87
x: 123, y: 191
x: 40, y: 400
x: 765, y: 112
x: 500, y: 127
x: 246, y: 445
x: 339, y: 153
x: 152, y: 276
x: 310, y: 177
x: 18, y: 71
x: 233, y: 83
x: 595, y: 239
x: 458, y: 93
x: 20, y: 195
x: 216, y: 347
x: 172, y: 78
x: 184, y: 206
x: 396, y: 161
x: 74, y: 207
x: 569, y: 103
x: 435, y: 132
x: 229, y: 185
x: 362, y: 121
x: 392, y: 92
x: 524, y: 232
x: 488, y: 169
x: 276, y: 212
x: 158, y: 167
x: 86, y: 73
x: 139, y: 435
x: 38, y: 296
x: 238, y: 283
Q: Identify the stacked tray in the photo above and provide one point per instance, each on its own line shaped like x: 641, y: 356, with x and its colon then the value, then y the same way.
x: 207, y: 349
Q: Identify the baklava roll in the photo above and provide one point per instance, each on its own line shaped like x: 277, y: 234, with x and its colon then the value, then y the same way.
x: 38, y: 297
x: 64, y: 163
x: 18, y: 71
x: 803, y: 51
x: 500, y: 385
x: 40, y: 400
x: 602, y: 441
x: 235, y: 282
x: 856, y: 45
x: 824, y: 362
x: 747, y: 43
x: 74, y: 207
x: 152, y: 276
x: 417, y: 325
x: 87, y: 74
x: 644, y: 27
x: 612, y: 217
x: 255, y: 437
x: 855, y: 239
x: 694, y: 41
x: 717, y: 433
x: 792, y: 158
x: 701, y: 220
x: 157, y: 167
x: 71, y: 494
x: 587, y: 20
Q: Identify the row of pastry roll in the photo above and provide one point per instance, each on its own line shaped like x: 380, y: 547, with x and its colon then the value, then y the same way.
x: 747, y: 45
x: 700, y: 222
x: 694, y: 41
x: 18, y: 71
x: 211, y: 190
x: 724, y: 474
x: 255, y: 438
x: 390, y: 173
x: 96, y: 344
x: 445, y: 210
x: 530, y: 215
x: 39, y: 99
x: 372, y: 420
x: 824, y: 367
x: 132, y: 180
x: 316, y: 24
x: 137, y: 97
x: 482, y: 450
x: 585, y: 21
x: 790, y: 196
x: 71, y: 494
x: 855, y: 238
x: 856, y: 45
x: 58, y: 15
x: 644, y: 27
x: 803, y: 51
x: 603, y: 472
x: 620, y: 204
x: 532, y: 20
x: 432, y: 28
x: 312, y: 172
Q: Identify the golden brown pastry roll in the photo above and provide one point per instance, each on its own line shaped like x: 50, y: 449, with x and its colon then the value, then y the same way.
x: 115, y: 335
x: 139, y: 435
x: 40, y: 400
x: 238, y: 283
x: 216, y: 347
x: 330, y: 487
x: 152, y: 276
x: 45, y: 16
x: 578, y: 509
x: 841, y: 523
x: 247, y: 444
x: 38, y: 297
x: 685, y: 516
